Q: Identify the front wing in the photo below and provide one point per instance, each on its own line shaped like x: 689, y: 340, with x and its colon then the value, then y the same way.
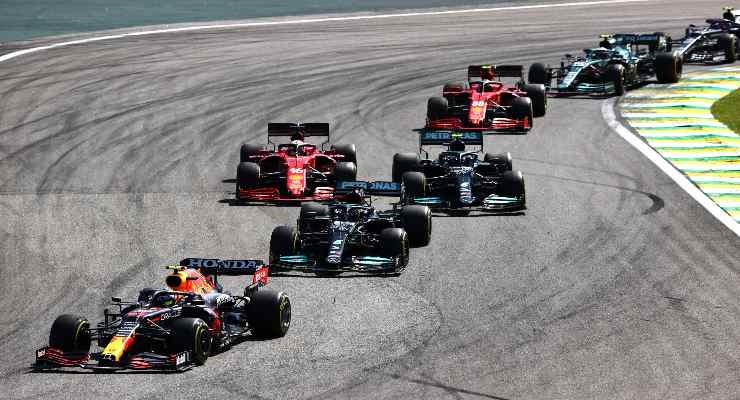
x: 304, y: 263
x: 273, y: 194
x: 491, y: 126
x: 581, y: 89
x: 492, y: 203
x: 49, y: 358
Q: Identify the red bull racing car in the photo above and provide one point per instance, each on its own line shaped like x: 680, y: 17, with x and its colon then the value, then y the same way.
x: 294, y: 171
x: 174, y: 328
x: 485, y: 104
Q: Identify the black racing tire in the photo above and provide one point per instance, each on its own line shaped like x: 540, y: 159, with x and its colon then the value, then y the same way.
x: 521, y: 108
x: 437, y: 108
x: 349, y: 151
x: 345, y: 172
x: 416, y: 220
x: 502, y: 159
x: 284, y: 241
x: 402, y: 163
x: 394, y: 242
x: 668, y: 67
x: 247, y: 176
x: 512, y: 185
x: 538, y: 74
x: 191, y: 334
x: 70, y: 333
x: 268, y: 313
x: 537, y: 93
x: 456, y: 86
x: 315, y: 209
x: 247, y: 150
x: 414, y: 184
x: 615, y: 74
x: 727, y: 42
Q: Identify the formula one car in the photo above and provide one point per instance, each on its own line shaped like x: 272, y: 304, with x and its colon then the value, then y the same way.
x: 172, y: 329
x: 352, y: 235
x: 485, y: 104
x: 622, y: 61
x: 294, y: 171
x: 458, y: 180
x: 719, y: 38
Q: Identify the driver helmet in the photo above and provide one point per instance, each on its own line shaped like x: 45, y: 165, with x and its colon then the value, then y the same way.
x: 356, y: 214
x: 486, y: 72
x: 298, y: 136
x: 163, y: 300
x: 457, y: 145
x: 355, y: 197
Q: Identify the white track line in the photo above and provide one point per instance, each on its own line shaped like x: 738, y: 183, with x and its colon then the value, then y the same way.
x: 312, y: 21
x: 607, y: 110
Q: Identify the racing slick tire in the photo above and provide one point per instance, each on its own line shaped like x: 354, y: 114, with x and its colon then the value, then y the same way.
x: 394, y: 242
x: 345, y: 172
x: 284, y: 241
x: 615, y: 74
x: 315, y: 209
x: 268, y: 313
x: 247, y: 176
x: 416, y: 220
x: 521, y: 108
x: 538, y: 74
x: 70, y: 333
x: 500, y: 159
x: 668, y: 67
x: 402, y: 163
x: 538, y: 95
x: 414, y: 184
x: 191, y: 334
x: 512, y: 185
x: 727, y: 42
x: 349, y: 151
x: 437, y: 108
x: 456, y: 87
x: 249, y: 150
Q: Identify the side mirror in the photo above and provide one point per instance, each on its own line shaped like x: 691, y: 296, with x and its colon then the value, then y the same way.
x: 116, y: 299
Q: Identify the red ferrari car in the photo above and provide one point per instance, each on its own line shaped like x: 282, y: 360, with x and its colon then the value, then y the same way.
x: 294, y: 171
x: 486, y: 104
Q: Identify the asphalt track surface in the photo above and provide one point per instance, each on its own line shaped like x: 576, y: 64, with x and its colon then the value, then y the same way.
x: 614, y: 284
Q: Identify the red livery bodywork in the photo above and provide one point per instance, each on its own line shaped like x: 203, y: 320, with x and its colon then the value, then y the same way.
x: 295, y: 171
x: 484, y: 103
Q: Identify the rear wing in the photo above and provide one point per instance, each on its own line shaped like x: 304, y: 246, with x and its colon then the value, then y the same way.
x: 213, y: 266
x: 288, y: 129
x: 656, y: 41
x: 377, y: 188
x: 443, y: 138
x: 499, y: 71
